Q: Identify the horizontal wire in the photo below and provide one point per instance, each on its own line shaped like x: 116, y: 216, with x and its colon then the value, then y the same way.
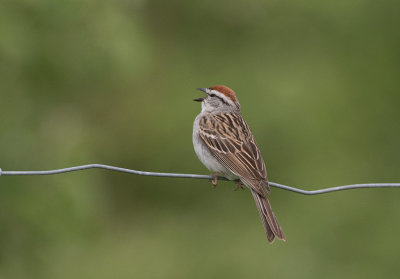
x: 198, y: 176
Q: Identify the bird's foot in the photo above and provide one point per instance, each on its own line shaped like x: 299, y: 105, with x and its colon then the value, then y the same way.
x: 215, y: 180
x: 239, y: 185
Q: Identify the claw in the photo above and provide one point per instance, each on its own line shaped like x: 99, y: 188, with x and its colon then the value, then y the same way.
x: 215, y: 180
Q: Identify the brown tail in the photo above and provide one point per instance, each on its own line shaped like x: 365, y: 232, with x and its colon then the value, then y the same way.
x: 268, y: 218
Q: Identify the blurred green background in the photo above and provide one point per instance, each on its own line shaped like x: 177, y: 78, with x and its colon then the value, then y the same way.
x: 112, y: 82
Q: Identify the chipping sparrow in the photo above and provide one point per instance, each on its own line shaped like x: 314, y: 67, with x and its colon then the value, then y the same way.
x: 225, y: 145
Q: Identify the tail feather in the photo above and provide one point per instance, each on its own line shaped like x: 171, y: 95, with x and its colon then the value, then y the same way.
x: 271, y: 225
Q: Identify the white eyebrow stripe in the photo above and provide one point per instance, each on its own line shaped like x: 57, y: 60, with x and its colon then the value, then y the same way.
x: 222, y: 96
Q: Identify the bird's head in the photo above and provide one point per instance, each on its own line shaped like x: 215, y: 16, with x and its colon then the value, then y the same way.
x: 219, y: 98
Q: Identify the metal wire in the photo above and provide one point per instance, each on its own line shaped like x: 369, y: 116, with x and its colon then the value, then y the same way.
x: 198, y: 176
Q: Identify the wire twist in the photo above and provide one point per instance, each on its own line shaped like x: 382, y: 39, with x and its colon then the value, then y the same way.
x: 198, y: 176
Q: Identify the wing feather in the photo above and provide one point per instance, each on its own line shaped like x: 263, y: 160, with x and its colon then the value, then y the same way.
x: 231, y: 142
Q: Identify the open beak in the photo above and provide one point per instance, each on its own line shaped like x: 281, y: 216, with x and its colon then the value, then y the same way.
x: 200, y: 99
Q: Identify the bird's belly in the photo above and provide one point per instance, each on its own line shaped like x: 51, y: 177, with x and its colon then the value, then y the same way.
x: 209, y: 160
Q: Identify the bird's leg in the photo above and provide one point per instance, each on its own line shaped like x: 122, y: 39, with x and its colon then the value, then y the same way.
x: 215, y: 180
x: 239, y: 185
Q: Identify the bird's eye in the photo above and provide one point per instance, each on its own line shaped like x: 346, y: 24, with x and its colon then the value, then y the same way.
x: 212, y: 95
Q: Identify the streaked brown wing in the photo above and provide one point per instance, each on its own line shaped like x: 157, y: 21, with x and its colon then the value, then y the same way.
x: 229, y: 139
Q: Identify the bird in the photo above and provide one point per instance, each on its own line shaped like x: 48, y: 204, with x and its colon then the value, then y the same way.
x: 224, y: 143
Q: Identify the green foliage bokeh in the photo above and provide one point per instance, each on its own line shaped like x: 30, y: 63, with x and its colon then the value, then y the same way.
x: 112, y: 82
